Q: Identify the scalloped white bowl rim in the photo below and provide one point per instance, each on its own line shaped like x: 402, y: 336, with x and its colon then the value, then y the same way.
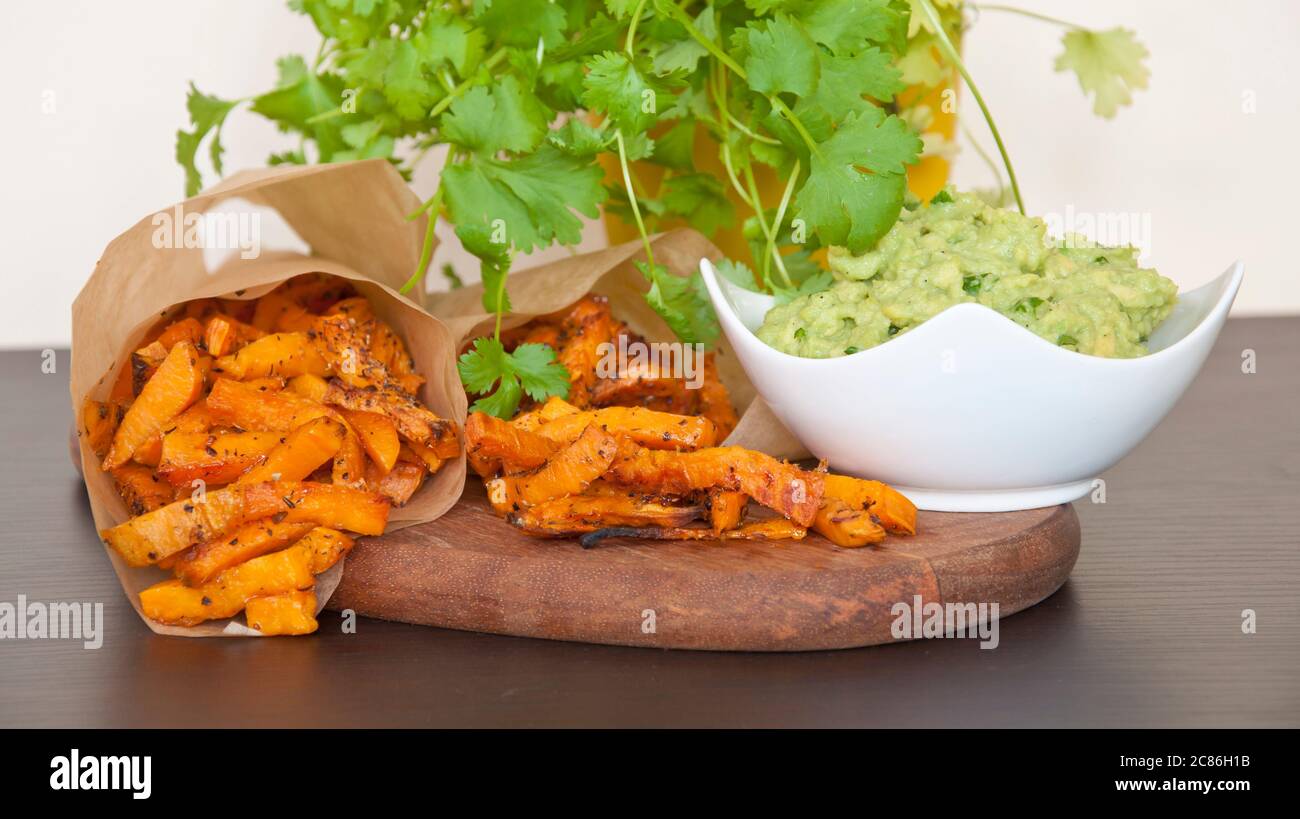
x: 796, y: 394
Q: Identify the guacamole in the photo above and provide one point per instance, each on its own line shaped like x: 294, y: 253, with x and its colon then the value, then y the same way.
x: 1094, y: 300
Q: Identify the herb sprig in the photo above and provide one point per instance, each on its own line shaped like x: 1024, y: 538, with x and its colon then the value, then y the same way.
x: 550, y: 110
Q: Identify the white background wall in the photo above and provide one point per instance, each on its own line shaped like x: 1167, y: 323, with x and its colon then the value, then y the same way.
x: 1217, y: 182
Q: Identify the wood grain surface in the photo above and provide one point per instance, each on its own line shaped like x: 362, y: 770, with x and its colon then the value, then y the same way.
x: 1200, y: 523
x: 469, y: 570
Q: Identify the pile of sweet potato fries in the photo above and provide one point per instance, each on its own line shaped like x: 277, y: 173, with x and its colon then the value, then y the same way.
x: 246, y: 436
x: 637, y: 455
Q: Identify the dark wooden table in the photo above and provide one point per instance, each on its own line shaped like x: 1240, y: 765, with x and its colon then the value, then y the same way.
x: 1200, y: 523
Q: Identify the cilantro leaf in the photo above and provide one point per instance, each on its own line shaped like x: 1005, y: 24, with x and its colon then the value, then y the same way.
x: 405, y: 85
x: 680, y: 302
x: 856, y: 181
x: 494, y: 263
x: 539, y: 373
x: 627, y: 90
x: 845, y: 26
x: 738, y: 273
x: 780, y: 56
x: 533, y: 196
x: 207, y: 113
x: 504, y: 118
x: 1108, y: 64
x: 701, y: 199
x: 522, y: 22
x: 577, y: 138
x: 530, y: 369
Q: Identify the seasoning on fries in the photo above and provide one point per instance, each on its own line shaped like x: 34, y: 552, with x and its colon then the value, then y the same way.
x: 246, y: 438
x: 637, y: 453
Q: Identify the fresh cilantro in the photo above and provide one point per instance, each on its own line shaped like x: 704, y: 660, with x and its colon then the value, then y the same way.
x: 781, y: 56
x: 738, y: 273
x: 532, y: 102
x: 681, y: 303
x: 627, y: 90
x: 530, y: 369
x: 206, y: 114
x: 855, y: 188
x: 972, y: 284
x: 701, y: 200
x: 941, y: 197
x: 1108, y: 65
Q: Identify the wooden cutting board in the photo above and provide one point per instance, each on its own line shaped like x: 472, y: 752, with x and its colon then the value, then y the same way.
x: 469, y: 570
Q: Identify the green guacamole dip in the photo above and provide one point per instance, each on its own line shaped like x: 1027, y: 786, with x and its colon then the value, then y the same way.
x: 1094, y: 300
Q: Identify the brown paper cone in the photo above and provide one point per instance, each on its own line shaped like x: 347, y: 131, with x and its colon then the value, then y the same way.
x: 611, y: 272
x: 354, y: 217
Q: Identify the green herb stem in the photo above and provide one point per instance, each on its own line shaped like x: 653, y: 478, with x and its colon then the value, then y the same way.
x: 1033, y: 15
x: 444, y: 103
x: 631, y: 29
x: 950, y: 53
x: 631, y: 196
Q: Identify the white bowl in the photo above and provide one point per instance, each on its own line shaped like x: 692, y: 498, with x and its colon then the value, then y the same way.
x: 970, y: 412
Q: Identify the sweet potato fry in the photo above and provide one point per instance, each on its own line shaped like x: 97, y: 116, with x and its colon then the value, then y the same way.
x: 399, y: 483
x: 215, y: 459
x: 783, y: 487
x: 726, y: 509
x: 141, y: 491
x: 845, y: 526
x: 298, y: 454
x: 326, y: 547
x: 291, y: 613
x: 886, y: 504
x: 414, y: 421
x: 343, y: 343
x: 274, y: 310
x: 568, y: 472
x: 204, y: 561
x: 172, y: 602
x: 494, y: 441
x: 349, y: 465
x: 768, y: 529
x: 282, y: 354
x: 150, y: 452
x: 98, y: 423
x: 318, y: 292
x: 178, y: 525
x: 231, y: 403
x: 175, y: 386
x: 225, y: 334
x: 378, y: 437
x: 581, y: 513
x: 713, y: 401
x: 654, y: 430
x: 587, y: 326
x: 424, y: 454
x: 357, y: 308
x: 333, y: 506
x: 187, y: 329
x: 309, y: 386
x: 144, y: 363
